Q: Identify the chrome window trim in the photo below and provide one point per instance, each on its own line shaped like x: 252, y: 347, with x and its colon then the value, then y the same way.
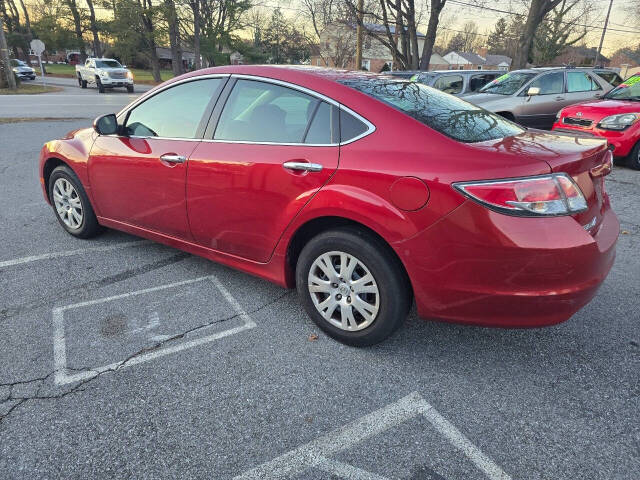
x: 370, y: 126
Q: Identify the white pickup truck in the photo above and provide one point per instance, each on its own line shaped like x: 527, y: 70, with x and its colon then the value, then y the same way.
x: 105, y: 73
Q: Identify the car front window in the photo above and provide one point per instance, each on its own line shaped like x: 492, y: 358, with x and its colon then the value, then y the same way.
x: 444, y: 113
x: 173, y: 113
x: 628, y: 90
x: 108, y: 64
x: 508, y: 84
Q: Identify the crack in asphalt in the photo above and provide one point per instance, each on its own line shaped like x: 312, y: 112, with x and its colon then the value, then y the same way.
x: 10, y: 312
x: 80, y: 386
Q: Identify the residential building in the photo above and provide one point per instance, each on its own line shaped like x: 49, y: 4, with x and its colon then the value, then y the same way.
x: 337, y: 49
x: 578, y: 57
x: 475, y: 61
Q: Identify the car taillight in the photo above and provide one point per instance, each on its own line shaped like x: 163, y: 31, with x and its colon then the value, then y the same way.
x: 544, y: 195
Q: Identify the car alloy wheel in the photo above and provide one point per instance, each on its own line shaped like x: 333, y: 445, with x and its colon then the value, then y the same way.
x: 344, y: 291
x: 68, y: 203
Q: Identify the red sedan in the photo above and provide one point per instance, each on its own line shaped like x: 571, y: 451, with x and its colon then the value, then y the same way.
x: 362, y: 190
x: 616, y: 117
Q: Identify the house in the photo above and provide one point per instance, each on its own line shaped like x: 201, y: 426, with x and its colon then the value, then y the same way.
x: 626, y: 59
x: 165, y: 58
x: 236, y: 58
x: 477, y: 61
x: 579, y: 56
x: 337, y: 49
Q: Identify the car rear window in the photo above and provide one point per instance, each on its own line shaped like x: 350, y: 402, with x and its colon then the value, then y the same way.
x: 444, y: 113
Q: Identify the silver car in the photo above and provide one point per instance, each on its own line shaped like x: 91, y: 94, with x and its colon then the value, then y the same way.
x: 456, y: 82
x: 22, y: 70
x: 533, y: 97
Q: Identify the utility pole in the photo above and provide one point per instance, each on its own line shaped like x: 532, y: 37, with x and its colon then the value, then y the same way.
x: 359, y: 35
x: 604, y: 31
x: 4, y: 56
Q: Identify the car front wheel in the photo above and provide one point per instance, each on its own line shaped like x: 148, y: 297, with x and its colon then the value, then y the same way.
x: 71, y: 204
x: 634, y: 158
x: 352, y: 286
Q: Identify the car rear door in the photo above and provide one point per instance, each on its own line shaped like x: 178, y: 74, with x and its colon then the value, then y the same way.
x: 267, y: 151
x: 581, y: 86
x: 138, y: 178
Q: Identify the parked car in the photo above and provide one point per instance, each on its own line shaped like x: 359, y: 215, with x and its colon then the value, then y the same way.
x: 432, y: 198
x: 533, y: 97
x: 22, y: 70
x: 455, y: 82
x: 615, y: 117
x: 104, y: 73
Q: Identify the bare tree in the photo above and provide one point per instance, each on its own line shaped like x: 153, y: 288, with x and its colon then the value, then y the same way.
x: 435, y: 10
x: 538, y: 9
x: 171, y: 16
x: 78, y: 28
x: 197, y: 20
x: 565, y: 26
x: 93, y: 26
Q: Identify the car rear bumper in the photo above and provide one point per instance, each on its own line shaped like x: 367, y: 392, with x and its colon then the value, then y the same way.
x: 484, y: 268
x: 620, y: 142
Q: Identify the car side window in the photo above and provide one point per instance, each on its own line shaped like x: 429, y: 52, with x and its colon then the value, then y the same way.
x: 175, y: 112
x: 611, y: 77
x: 476, y: 82
x: 264, y: 112
x: 581, y: 82
x: 449, y: 84
x: 350, y: 126
x: 549, y: 84
x: 323, y: 128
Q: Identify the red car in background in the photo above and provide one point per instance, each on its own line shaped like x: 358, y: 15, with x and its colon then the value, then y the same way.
x: 361, y: 190
x: 615, y: 117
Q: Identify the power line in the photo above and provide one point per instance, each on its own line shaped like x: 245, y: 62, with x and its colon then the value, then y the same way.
x: 510, y: 12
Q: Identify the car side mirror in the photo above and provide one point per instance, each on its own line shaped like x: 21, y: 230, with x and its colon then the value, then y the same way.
x: 106, y: 124
x: 533, y: 91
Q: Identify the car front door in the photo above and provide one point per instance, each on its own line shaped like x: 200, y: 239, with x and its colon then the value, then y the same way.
x: 266, y: 153
x: 138, y: 178
x: 539, y: 111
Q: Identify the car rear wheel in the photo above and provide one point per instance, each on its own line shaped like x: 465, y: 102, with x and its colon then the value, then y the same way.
x: 352, y: 287
x: 82, y: 83
x: 71, y: 204
x: 634, y: 157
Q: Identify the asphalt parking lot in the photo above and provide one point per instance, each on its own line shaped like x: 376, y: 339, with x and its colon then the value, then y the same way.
x: 121, y: 358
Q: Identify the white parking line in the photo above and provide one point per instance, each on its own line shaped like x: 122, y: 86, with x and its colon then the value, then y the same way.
x: 62, y: 375
x: 70, y: 253
x: 314, y: 453
x: 344, y: 470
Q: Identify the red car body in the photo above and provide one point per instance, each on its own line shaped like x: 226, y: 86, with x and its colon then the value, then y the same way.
x: 586, y: 118
x: 235, y: 204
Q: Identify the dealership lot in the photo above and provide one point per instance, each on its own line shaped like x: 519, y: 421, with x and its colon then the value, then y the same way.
x: 122, y: 358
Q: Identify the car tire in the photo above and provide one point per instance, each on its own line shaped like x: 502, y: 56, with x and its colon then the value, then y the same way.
x: 71, y: 204
x: 633, y: 160
x: 99, y: 85
x: 130, y: 89
x: 384, y: 301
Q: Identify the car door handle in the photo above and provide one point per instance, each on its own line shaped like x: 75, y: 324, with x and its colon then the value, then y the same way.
x: 303, y: 166
x: 559, y: 99
x: 171, y: 158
